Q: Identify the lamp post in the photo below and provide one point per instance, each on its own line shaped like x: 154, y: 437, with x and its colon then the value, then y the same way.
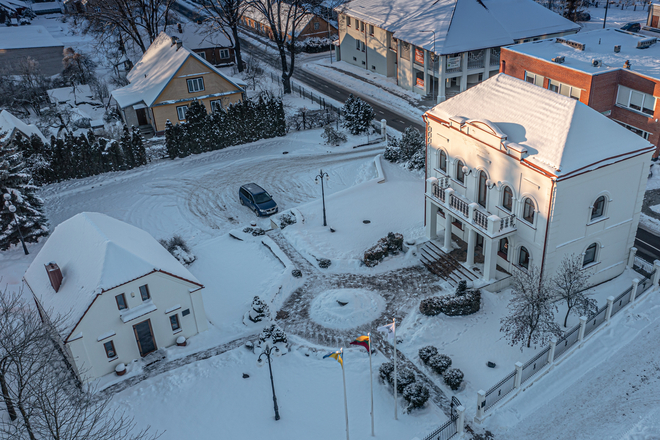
x: 320, y: 177
x: 607, y: 4
x: 433, y: 68
x: 12, y: 209
x: 276, y: 352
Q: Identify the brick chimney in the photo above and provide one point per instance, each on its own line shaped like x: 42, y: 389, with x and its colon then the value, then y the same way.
x: 55, y: 275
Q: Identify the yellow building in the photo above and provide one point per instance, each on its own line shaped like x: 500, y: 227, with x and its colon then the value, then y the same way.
x: 167, y: 79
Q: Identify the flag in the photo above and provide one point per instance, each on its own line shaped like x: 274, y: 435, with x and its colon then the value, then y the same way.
x: 363, y: 341
x: 335, y: 355
x: 388, y: 330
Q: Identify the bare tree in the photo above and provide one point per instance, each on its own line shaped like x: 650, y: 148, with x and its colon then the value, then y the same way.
x: 284, y: 19
x: 78, y: 67
x: 570, y: 283
x: 532, y: 312
x: 135, y: 21
x: 225, y: 14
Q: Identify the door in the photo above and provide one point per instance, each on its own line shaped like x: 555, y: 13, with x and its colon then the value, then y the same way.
x: 142, y: 116
x: 144, y: 336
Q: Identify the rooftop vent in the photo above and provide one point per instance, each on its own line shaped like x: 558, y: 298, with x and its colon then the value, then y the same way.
x: 559, y: 60
x: 597, y: 63
x: 626, y: 65
x: 54, y: 275
x: 646, y: 43
x: 571, y: 43
x: 617, y: 48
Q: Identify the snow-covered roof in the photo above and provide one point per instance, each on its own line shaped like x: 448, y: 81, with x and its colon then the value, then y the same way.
x: 13, y: 4
x: 195, y: 36
x: 561, y: 134
x: 155, y: 70
x: 24, y: 37
x: 63, y: 95
x: 95, y: 253
x: 9, y: 123
x: 599, y: 45
x: 459, y: 25
x: 256, y: 15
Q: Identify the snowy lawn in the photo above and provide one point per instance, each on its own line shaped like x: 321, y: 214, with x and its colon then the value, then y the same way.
x: 210, y: 400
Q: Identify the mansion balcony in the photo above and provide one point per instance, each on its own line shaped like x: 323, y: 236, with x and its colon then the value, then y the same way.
x: 439, y: 191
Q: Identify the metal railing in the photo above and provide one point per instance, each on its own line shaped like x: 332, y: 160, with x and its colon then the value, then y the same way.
x: 459, y: 205
x: 495, y: 56
x: 596, y: 320
x: 497, y: 393
x: 445, y: 432
x: 535, y: 364
x: 621, y: 300
x: 643, y: 266
x: 476, y: 59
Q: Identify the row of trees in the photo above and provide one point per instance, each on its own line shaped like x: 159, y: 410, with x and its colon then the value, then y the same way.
x: 241, y: 123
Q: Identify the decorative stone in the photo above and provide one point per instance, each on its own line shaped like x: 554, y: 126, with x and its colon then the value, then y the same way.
x: 181, y: 341
x: 120, y: 369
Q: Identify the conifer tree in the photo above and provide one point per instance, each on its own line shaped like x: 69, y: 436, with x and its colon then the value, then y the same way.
x: 357, y: 115
x: 125, y: 144
x: 195, y: 127
x: 115, y: 157
x: 16, y: 181
x: 171, y: 143
x: 137, y: 147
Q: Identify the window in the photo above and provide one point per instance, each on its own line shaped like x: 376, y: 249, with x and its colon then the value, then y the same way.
x: 174, y: 322
x: 371, y: 29
x: 216, y: 105
x: 642, y: 102
x: 362, y: 46
x: 443, y: 161
x: 460, y: 174
x: 317, y: 26
x: 598, y: 208
x: 195, y: 85
x: 523, y: 258
x: 110, y: 350
x: 348, y: 21
x: 185, y: 312
x: 181, y: 112
x: 481, y: 199
x: 564, y: 89
x: 637, y: 131
x: 201, y: 54
x: 507, y: 199
x: 121, y: 301
x: 144, y: 292
x: 534, y: 78
x: 224, y: 54
x: 357, y: 44
x: 590, y: 254
x: 528, y: 211
x: 362, y: 26
x: 503, y: 250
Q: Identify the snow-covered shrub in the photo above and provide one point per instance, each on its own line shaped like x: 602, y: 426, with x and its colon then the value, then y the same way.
x: 418, y: 161
x: 179, y: 249
x: 272, y: 335
x: 430, y: 306
x: 357, y: 115
x: 332, y: 136
x: 391, y: 244
x: 416, y: 395
x: 314, y: 44
x: 296, y: 273
x: 425, y: 353
x: 392, y: 151
x: 324, y: 263
x: 461, y: 288
x: 286, y: 219
x: 385, y: 371
x: 404, y: 377
x: 259, y: 310
x: 254, y: 231
x: 410, y: 149
x: 305, y: 119
x: 439, y: 363
x: 453, y: 378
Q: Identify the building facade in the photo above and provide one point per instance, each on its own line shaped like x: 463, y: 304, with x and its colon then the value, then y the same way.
x: 18, y: 43
x: 440, y: 48
x: 213, y: 46
x: 614, y: 72
x: 309, y: 26
x: 526, y: 177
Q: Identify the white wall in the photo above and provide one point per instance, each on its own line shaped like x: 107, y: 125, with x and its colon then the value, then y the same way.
x: 104, y: 316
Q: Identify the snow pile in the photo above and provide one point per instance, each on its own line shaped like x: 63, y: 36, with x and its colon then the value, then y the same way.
x: 346, y: 308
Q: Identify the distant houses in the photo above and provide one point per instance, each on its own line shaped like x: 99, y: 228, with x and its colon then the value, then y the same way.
x: 166, y: 80
x: 310, y: 25
x: 398, y: 38
x: 121, y: 295
x: 11, y: 126
x: 18, y: 43
x: 210, y: 44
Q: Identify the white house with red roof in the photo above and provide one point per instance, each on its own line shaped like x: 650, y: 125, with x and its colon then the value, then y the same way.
x: 120, y: 293
x: 525, y: 176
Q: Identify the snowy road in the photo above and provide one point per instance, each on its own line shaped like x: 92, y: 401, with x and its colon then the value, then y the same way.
x: 197, y: 197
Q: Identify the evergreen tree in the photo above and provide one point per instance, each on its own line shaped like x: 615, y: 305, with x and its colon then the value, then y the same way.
x: 125, y: 144
x: 115, y: 157
x: 171, y: 141
x: 195, y: 128
x: 137, y: 147
x: 36, y: 156
x: 357, y: 115
x: 16, y: 181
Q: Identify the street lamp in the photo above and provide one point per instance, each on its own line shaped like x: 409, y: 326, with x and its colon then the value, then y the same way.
x: 320, y: 177
x: 260, y: 362
x: 12, y: 209
x: 433, y: 69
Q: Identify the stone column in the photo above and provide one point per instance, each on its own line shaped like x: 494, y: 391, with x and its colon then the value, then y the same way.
x: 608, y: 313
x: 431, y: 220
x: 481, y: 401
x: 633, y: 294
x: 460, y: 423
x: 490, y: 259
x: 518, y: 379
x: 551, y: 353
x: 383, y: 129
x: 631, y: 257
x: 464, y: 68
x: 442, y: 60
x: 656, y: 273
x: 472, y: 241
x: 486, y: 64
x: 447, y: 245
x: 583, y: 323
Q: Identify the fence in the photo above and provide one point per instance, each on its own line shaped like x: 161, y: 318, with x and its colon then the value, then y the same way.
x: 556, y: 349
x: 306, y: 94
x: 452, y: 426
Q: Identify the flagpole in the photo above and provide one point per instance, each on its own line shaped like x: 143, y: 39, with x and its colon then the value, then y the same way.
x: 371, y: 382
x: 395, y: 391
x: 343, y: 374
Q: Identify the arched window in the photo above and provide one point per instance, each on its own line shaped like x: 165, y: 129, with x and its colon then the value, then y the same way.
x: 443, y: 161
x: 482, y: 188
x: 599, y: 208
x: 528, y: 210
x: 590, y: 254
x: 460, y: 175
x: 504, y: 248
x: 507, y: 199
x: 523, y: 258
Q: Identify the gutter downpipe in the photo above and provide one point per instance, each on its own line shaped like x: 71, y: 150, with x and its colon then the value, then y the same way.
x: 547, y: 226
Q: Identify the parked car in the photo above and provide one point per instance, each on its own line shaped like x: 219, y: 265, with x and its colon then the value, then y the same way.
x: 257, y: 199
x: 632, y: 27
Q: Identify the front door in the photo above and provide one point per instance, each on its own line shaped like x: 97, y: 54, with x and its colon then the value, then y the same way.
x: 142, y: 116
x: 145, y: 337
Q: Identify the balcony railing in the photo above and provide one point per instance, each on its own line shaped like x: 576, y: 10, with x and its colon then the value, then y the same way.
x: 508, y: 222
x: 476, y: 59
x: 459, y: 205
x: 494, y: 56
x: 480, y: 219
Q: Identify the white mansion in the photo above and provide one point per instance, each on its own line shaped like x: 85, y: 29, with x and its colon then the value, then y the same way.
x: 531, y: 176
x: 396, y: 38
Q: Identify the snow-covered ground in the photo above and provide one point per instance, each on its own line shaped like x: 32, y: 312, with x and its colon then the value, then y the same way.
x: 616, y: 17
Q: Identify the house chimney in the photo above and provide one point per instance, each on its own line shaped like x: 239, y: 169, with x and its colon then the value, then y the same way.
x: 55, y: 275
x: 179, y: 43
x: 179, y: 28
x: 626, y: 65
x: 617, y: 48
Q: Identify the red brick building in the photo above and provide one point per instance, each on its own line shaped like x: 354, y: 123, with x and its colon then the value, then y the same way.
x: 616, y: 73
